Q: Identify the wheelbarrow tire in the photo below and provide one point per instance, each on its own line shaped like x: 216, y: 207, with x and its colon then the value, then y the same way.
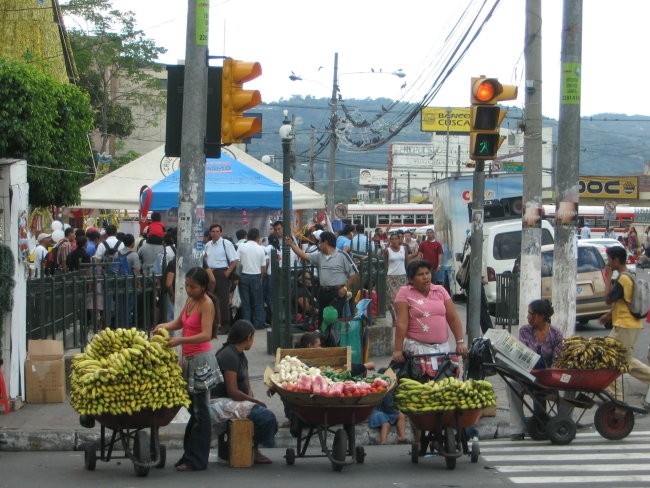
x: 613, y: 421
x: 339, y: 449
x: 142, y: 453
x: 561, y: 430
x: 162, y: 457
x: 536, y: 430
x: 290, y: 456
x: 475, y: 452
x: 90, y: 458
x: 450, y: 447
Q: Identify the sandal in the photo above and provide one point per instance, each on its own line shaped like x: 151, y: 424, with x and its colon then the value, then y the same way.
x: 184, y: 467
x: 261, y: 458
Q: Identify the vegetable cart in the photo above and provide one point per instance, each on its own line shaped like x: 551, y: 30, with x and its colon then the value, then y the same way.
x: 318, y: 415
x: 543, y: 391
x: 130, y: 433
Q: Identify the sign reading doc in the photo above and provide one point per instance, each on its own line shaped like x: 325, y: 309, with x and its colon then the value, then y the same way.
x: 609, y: 188
x: 441, y: 120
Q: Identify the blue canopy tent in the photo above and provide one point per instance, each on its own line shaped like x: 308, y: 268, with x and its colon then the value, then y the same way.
x: 229, y: 184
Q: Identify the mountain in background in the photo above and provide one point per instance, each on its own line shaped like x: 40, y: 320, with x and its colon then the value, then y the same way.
x: 611, y: 144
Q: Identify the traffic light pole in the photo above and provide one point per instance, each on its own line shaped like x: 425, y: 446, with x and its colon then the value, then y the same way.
x: 566, y: 182
x: 531, y: 238
x: 191, y: 204
x: 476, y: 258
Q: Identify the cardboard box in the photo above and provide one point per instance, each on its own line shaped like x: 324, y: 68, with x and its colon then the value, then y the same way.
x: 518, y: 353
x: 45, y: 372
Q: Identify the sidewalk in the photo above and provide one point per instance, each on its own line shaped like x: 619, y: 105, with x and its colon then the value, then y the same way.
x: 56, y: 426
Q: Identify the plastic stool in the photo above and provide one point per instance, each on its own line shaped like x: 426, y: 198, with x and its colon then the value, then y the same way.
x: 4, y: 400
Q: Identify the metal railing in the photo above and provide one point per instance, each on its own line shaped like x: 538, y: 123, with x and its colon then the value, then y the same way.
x: 68, y: 306
x: 507, y: 304
x: 304, y: 288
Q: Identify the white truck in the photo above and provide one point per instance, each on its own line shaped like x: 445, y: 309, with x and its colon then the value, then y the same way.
x: 501, y: 228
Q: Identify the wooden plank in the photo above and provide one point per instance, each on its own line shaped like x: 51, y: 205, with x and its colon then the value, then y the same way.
x: 336, y: 357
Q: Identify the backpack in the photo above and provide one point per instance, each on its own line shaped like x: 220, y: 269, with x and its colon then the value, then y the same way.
x: 50, y: 262
x: 109, y: 254
x: 640, y: 303
x: 120, y: 264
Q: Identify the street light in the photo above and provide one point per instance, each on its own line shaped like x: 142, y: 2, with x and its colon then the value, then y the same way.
x: 286, y: 134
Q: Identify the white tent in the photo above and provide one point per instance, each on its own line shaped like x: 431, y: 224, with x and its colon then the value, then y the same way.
x: 120, y: 189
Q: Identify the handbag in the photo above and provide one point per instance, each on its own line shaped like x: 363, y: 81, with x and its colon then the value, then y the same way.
x: 462, y: 275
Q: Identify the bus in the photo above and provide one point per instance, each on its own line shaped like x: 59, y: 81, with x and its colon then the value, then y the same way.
x: 373, y: 215
x: 594, y: 217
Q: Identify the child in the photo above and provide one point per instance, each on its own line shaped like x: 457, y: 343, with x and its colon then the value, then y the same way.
x: 384, y: 415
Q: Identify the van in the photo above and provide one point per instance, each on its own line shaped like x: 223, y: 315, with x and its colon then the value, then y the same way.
x: 501, y: 247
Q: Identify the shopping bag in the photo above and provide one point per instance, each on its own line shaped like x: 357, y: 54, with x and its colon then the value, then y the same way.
x: 350, y: 335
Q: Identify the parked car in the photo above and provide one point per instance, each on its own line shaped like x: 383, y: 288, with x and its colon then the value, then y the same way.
x: 603, y: 244
x: 590, y: 280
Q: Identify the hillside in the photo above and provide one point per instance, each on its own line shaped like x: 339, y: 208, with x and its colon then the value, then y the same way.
x: 611, y: 144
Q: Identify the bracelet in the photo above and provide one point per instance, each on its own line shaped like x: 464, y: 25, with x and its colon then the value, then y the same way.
x: 460, y: 341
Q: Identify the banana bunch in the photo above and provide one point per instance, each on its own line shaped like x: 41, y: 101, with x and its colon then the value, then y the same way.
x: 591, y: 353
x: 443, y: 395
x: 123, y: 372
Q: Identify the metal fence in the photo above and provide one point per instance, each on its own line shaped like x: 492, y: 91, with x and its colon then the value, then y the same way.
x: 507, y: 304
x: 303, y: 286
x: 68, y: 306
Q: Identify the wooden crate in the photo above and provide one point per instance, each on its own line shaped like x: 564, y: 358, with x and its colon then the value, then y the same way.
x: 240, y: 443
x: 335, y: 357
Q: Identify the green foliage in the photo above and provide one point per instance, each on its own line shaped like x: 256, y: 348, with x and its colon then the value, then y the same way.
x: 7, y: 269
x: 46, y: 123
x: 115, y: 61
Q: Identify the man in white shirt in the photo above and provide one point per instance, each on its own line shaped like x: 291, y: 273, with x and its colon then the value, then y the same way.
x: 253, y: 267
x: 221, y: 257
x: 585, y: 232
x: 40, y: 251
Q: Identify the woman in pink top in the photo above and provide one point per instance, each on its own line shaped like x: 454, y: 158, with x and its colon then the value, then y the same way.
x: 200, y: 368
x: 424, y: 315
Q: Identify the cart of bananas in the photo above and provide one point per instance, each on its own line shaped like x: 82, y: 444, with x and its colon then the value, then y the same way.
x: 591, y: 353
x: 123, y: 372
x: 443, y: 395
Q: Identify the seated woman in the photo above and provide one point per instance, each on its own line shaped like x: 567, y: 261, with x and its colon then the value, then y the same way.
x: 386, y: 414
x: 236, y: 387
x: 546, y: 340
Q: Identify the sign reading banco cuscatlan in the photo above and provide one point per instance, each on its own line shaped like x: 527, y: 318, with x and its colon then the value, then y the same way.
x: 608, y: 188
x: 441, y: 120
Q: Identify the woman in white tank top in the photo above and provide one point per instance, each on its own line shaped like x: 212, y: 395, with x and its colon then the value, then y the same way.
x: 396, y: 261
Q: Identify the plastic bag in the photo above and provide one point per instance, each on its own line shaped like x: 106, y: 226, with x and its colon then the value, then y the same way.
x: 236, y: 298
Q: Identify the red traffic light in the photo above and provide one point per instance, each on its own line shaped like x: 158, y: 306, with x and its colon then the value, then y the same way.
x: 485, y: 91
x: 489, y: 91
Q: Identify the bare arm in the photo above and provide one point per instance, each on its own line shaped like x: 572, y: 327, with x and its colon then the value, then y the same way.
x: 401, y: 326
x: 233, y: 391
x: 299, y: 252
x: 206, y: 310
x: 453, y: 319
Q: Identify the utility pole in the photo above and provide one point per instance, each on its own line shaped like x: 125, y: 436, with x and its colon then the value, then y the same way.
x: 531, y: 238
x: 191, y: 205
x: 333, y: 121
x: 568, y: 157
x: 476, y: 258
x: 311, y: 159
x: 447, y: 143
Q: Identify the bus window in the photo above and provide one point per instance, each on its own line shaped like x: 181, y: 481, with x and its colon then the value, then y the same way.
x: 421, y: 219
x: 383, y: 219
x: 408, y: 219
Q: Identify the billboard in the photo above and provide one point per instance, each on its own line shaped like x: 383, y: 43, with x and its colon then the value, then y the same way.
x: 441, y: 120
x: 609, y: 188
x: 412, y: 155
x: 373, y: 177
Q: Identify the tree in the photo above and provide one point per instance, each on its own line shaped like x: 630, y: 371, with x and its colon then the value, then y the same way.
x: 46, y: 123
x: 115, y: 63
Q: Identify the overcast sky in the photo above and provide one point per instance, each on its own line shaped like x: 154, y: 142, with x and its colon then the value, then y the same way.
x: 303, y: 35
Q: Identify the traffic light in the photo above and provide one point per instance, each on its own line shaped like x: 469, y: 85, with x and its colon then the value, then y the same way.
x: 235, y: 127
x: 486, y: 117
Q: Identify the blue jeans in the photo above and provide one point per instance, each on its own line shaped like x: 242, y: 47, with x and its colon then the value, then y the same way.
x: 198, y: 433
x: 252, y: 299
x: 265, y: 426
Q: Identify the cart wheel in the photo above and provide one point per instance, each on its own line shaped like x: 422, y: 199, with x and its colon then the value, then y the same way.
x: 613, y: 422
x: 90, y: 458
x: 142, y: 453
x: 475, y: 452
x: 339, y: 449
x: 415, y: 452
x: 536, y: 429
x: 561, y: 430
x: 290, y: 456
x: 450, y: 448
x: 359, y: 454
x: 162, y: 459
x: 87, y: 421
